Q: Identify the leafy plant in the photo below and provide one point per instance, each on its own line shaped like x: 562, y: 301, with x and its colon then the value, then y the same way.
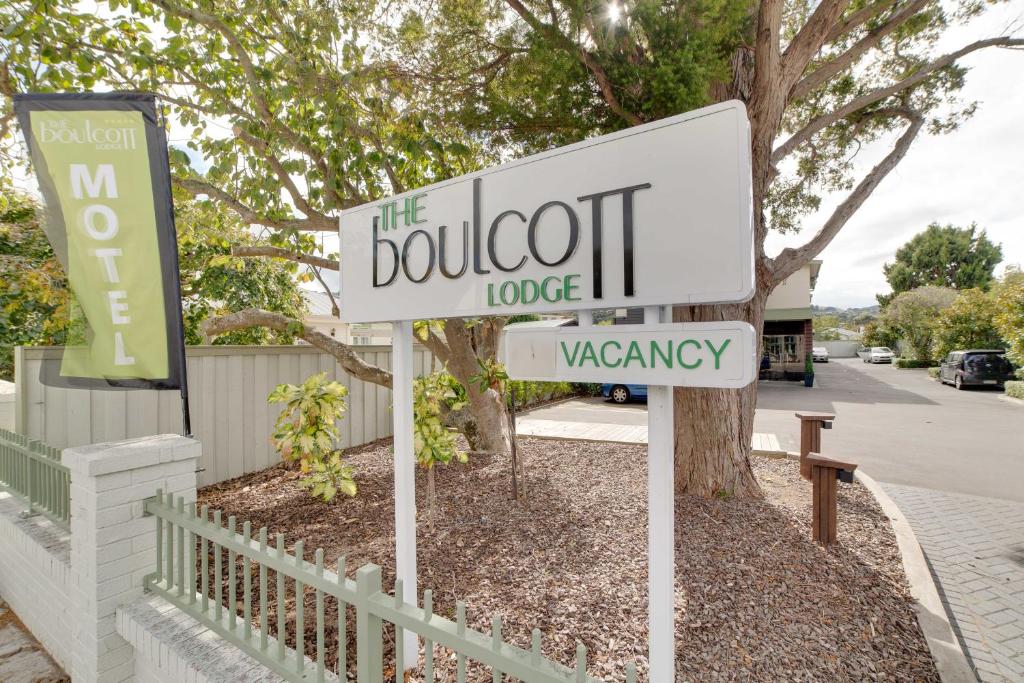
x: 327, y: 477
x: 968, y: 323
x: 432, y: 441
x: 1009, y: 318
x: 307, y: 431
x: 492, y: 375
x: 808, y: 364
x: 914, y: 315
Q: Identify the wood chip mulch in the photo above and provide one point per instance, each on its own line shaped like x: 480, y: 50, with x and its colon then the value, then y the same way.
x: 756, y: 599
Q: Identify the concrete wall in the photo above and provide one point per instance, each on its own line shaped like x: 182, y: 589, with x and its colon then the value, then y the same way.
x: 228, y: 386
x: 793, y: 292
x: 35, y: 577
x: 839, y: 349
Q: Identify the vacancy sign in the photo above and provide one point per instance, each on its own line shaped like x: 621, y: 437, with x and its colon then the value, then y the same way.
x: 652, y: 215
x: 719, y: 354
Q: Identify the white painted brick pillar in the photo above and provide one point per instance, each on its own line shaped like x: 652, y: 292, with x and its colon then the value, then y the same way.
x: 112, y: 543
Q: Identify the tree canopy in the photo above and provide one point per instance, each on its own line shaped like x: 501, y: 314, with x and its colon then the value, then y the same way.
x: 943, y: 256
x: 215, y: 283
x: 968, y: 323
x: 915, y: 315
x: 301, y: 109
x: 33, y: 290
x: 1009, y: 317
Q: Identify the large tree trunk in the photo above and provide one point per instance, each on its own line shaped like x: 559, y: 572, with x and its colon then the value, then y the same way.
x: 486, y: 422
x: 714, y: 427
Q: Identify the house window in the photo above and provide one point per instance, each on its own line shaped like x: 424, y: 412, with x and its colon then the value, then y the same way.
x: 782, y: 348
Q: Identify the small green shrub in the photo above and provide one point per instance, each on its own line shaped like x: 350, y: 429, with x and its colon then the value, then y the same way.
x: 915, y: 363
x: 307, y: 431
x: 1015, y: 390
x: 433, y: 442
x: 327, y: 477
x: 933, y: 373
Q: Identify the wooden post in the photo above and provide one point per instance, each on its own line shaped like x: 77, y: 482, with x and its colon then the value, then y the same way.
x: 824, y: 475
x: 810, y: 437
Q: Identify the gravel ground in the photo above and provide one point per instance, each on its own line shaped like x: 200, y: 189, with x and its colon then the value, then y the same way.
x: 756, y: 599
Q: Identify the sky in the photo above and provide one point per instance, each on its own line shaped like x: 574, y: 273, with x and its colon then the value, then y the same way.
x: 973, y: 174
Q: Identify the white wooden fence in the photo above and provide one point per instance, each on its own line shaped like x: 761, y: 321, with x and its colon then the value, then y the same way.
x: 228, y: 386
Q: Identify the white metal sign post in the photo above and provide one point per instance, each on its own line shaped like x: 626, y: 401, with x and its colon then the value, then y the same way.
x: 661, y: 531
x: 651, y: 216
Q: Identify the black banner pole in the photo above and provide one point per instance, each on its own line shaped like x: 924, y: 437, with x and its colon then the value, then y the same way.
x: 186, y: 417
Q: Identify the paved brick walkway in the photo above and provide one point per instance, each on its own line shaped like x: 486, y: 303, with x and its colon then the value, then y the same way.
x: 975, y: 547
x: 22, y: 658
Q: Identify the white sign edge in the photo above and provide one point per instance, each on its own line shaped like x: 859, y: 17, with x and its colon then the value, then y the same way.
x: 744, y: 192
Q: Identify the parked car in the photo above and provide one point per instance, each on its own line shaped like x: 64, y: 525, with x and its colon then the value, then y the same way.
x: 819, y: 354
x: 879, y: 354
x: 976, y: 367
x: 622, y: 393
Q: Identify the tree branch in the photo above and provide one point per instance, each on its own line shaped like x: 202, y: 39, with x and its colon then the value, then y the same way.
x: 281, y: 253
x: 805, y: 133
x: 791, y: 260
x: 436, y: 344
x: 846, y: 59
x: 252, y: 80
x: 197, y: 187
x: 262, y: 148
x: 346, y: 357
x: 809, y: 39
x: 858, y: 18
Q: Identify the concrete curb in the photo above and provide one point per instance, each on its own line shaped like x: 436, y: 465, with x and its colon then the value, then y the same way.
x: 949, y: 657
x: 1011, y: 399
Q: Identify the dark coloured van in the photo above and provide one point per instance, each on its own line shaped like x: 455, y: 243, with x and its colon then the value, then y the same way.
x: 976, y: 367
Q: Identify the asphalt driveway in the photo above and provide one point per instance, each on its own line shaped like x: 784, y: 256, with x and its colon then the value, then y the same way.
x: 903, y: 427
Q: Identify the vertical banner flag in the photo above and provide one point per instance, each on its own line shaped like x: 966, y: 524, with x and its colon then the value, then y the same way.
x: 101, y: 161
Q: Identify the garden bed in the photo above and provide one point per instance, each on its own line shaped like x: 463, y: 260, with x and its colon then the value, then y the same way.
x: 756, y: 598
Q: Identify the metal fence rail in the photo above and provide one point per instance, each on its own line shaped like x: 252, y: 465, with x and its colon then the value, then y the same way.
x: 182, y: 531
x: 33, y: 472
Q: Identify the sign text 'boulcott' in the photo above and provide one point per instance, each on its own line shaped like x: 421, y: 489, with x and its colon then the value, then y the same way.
x: 656, y: 214
x: 719, y: 354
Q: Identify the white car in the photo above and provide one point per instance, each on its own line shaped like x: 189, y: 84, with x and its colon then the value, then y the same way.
x: 879, y: 354
x: 819, y: 354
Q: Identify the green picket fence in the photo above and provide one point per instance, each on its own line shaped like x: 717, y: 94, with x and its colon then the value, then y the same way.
x: 182, y: 531
x: 32, y: 472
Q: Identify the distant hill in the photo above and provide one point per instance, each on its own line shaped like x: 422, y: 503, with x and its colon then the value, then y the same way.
x: 848, y: 316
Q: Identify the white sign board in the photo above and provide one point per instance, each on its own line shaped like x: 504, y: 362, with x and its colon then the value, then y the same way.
x: 717, y: 354
x: 652, y: 215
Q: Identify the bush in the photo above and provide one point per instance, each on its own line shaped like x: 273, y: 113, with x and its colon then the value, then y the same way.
x: 531, y: 393
x: 915, y: 363
x: 1015, y: 389
x: 933, y: 373
x: 307, y: 431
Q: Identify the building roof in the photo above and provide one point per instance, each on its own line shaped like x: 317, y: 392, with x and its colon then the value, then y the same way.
x: 815, y: 266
